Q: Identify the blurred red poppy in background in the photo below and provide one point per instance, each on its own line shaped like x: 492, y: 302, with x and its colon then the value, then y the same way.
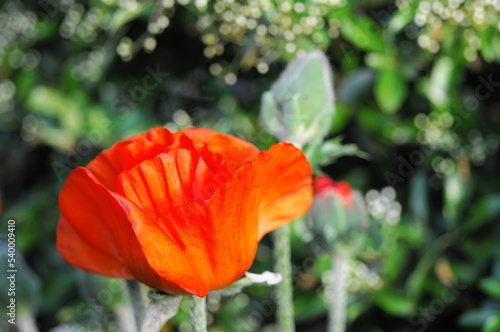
x: 324, y: 185
x: 181, y: 212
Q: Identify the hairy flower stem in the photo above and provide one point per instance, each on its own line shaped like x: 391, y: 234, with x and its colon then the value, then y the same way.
x: 336, y: 292
x: 198, y: 313
x: 27, y: 322
x: 284, y: 290
x: 134, y: 292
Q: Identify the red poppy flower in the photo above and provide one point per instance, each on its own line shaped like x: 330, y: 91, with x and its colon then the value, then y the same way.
x: 181, y: 212
x: 324, y: 185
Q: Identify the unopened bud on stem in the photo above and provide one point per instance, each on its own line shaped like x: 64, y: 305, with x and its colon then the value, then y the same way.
x: 300, y: 105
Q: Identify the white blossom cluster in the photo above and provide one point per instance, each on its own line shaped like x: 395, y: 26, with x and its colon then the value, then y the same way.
x: 383, y: 205
x: 438, y: 17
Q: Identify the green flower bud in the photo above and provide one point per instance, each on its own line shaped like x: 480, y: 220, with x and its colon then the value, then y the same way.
x: 300, y: 105
x: 338, y: 213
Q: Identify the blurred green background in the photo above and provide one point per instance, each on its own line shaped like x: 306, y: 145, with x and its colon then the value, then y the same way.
x: 417, y: 89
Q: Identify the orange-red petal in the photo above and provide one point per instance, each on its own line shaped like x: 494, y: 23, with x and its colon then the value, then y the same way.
x: 95, y: 234
x: 285, y: 182
x: 212, y: 242
x: 170, y: 215
x: 261, y: 195
x: 180, y: 238
x: 166, y: 256
x: 93, y: 214
x: 78, y: 252
x: 128, y: 153
x: 234, y: 150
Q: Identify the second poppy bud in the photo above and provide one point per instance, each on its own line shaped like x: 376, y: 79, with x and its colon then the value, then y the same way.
x: 337, y: 212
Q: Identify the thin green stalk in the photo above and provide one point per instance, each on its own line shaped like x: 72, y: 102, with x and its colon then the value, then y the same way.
x: 284, y: 290
x: 137, y: 300
x: 27, y: 322
x: 198, y: 313
x: 337, y: 292
x: 125, y: 317
x: 341, y: 216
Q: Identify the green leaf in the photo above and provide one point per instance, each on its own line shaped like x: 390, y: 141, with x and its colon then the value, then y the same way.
x: 394, y: 303
x: 490, y: 44
x: 356, y: 86
x: 340, y: 119
x: 51, y: 102
x: 418, y: 201
x: 395, y: 261
x: 455, y: 194
x: 491, y: 286
x: 440, y: 82
x: 492, y: 324
x: 325, y: 153
x: 400, y: 20
x: 122, y: 16
x: 485, y: 210
x: 364, y: 33
x: 25, y: 81
x: 476, y: 318
x: 27, y: 284
x: 390, y: 90
x: 308, y: 308
x: 417, y: 278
